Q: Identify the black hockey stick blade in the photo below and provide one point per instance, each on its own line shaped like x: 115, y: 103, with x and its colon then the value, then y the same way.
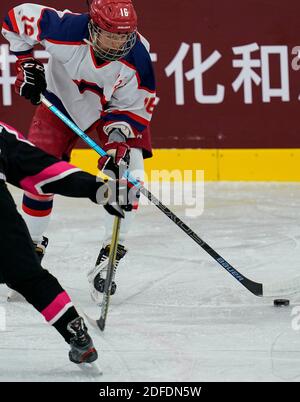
x: 101, y: 323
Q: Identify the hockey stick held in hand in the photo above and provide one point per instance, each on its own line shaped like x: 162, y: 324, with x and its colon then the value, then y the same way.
x: 258, y: 289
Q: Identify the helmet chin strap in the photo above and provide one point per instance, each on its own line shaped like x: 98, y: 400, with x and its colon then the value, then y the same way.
x: 95, y: 52
x: 88, y: 42
x: 88, y: 4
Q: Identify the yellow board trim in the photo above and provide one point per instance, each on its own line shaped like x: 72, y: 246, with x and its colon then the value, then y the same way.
x: 218, y: 164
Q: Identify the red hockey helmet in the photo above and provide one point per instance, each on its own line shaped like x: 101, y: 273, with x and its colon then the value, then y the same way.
x: 113, y: 28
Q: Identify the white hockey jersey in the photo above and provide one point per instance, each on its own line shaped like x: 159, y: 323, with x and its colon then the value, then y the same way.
x: 118, y: 91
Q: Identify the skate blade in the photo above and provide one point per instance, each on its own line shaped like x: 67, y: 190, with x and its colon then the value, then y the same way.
x: 95, y: 298
x: 90, y: 368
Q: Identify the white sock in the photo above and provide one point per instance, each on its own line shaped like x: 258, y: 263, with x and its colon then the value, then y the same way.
x: 36, y: 226
x: 36, y: 212
x: 136, y: 168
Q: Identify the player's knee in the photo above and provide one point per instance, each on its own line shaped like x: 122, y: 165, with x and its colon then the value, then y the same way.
x: 31, y: 284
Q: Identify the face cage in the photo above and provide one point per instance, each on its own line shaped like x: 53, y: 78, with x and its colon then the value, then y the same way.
x: 98, y: 38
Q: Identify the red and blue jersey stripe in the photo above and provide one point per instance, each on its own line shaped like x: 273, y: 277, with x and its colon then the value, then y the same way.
x: 137, y: 122
x: 69, y: 29
x: 139, y: 60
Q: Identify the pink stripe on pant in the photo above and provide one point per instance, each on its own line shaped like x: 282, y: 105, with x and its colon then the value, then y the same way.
x: 54, y: 172
x: 56, y: 307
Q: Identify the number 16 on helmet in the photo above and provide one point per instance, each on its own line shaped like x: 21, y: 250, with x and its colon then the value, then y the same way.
x: 112, y: 28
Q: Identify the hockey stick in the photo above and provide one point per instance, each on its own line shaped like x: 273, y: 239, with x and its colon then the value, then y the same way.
x: 110, y: 273
x: 258, y: 289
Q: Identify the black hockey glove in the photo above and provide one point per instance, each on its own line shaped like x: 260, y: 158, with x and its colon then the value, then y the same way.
x: 116, y: 197
x: 31, y: 81
x: 107, y: 195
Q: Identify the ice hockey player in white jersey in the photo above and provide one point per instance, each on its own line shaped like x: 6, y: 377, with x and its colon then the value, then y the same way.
x: 101, y: 76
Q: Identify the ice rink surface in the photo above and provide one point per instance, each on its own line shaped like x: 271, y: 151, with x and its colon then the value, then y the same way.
x: 177, y: 315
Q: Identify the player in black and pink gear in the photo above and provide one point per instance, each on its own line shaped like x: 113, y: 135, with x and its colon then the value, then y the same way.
x: 100, y: 75
x: 27, y: 167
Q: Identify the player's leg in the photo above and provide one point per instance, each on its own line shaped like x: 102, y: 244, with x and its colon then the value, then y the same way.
x: 20, y: 269
x: 136, y: 168
x: 48, y: 133
x: 97, y: 275
x: 36, y: 211
x: 51, y: 135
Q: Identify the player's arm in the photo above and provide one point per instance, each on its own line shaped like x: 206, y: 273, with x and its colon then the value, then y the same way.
x: 28, y: 167
x: 22, y: 30
x: 67, y: 180
x: 131, y: 107
x: 30, y: 24
x: 80, y: 184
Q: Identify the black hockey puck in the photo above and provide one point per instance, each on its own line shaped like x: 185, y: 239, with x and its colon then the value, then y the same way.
x: 281, y: 302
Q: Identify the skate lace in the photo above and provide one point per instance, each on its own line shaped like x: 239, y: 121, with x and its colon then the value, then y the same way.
x: 120, y: 254
x: 78, y: 329
x: 81, y: 338
x: 40, y: 247
x: 104, y: 269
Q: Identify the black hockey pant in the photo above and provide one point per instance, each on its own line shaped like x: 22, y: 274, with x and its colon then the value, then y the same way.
x: 20, y: 268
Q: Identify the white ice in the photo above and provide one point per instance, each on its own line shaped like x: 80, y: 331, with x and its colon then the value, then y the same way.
x: 177, y: 315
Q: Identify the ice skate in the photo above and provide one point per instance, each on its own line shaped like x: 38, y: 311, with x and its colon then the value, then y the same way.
x: 82, y: 347
x: 40, y: 248
x: 97, y: 275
